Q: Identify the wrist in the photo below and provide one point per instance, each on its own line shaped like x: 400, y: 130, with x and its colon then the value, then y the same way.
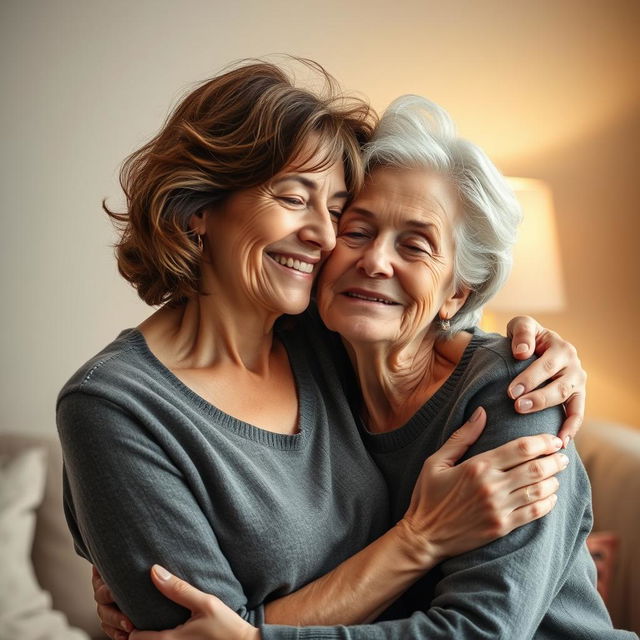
x: 416, y: 546
x: 253, y: 633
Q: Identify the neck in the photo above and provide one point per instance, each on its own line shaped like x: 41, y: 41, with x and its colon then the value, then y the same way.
x: 210, y: 330
x: 396, y: 382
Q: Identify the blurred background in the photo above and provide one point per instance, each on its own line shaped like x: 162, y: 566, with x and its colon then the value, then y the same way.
x: 550, y: 89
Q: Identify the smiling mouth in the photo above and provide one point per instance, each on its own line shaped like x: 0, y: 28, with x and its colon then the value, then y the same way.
x: 292, y: 263
x: 360, y: 296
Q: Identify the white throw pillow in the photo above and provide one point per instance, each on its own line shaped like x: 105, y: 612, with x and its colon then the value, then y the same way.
x: 25, y: 609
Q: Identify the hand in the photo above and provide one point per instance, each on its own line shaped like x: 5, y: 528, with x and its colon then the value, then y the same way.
x: 457, y: 508
x: 559, y: 363
x: 113, y: 622
x: 211, y: 619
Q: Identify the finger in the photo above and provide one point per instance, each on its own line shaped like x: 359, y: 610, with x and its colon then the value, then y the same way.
x: 150, y: 635
x: 103, y: 595
x: 180, y: 591
x: 113, y: 617
x: 534, y: 492
x: 96, y: 579
x: 113, y: 633
x: 521, y: 450
x: 553, y: 394
x: 530, y: 512
x: 556, y: 357
x: 522, y: 330
x: 460, y: 441
x: 574, y: 412
x: 536, y: 470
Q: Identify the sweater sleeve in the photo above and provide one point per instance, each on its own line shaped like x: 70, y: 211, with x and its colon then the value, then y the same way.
x: 128, y: 506
x: 505, y: 590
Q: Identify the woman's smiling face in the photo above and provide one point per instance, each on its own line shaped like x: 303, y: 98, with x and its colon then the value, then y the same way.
x: 266, y: 244
x: 391, y: 272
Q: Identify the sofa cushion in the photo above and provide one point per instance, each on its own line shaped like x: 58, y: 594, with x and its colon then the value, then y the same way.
x: 25, y: 609
x: 59, y: 570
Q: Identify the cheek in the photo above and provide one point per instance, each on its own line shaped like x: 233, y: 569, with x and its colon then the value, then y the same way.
x: 428, y: 288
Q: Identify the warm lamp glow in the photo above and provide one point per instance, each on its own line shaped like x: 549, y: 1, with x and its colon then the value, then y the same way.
x: 535, y: 284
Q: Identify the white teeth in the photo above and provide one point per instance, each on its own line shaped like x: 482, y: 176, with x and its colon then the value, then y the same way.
x: 297, y: 265
x: 368, y: 299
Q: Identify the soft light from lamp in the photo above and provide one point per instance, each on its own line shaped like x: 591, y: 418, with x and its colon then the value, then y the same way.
x: 535, y: 283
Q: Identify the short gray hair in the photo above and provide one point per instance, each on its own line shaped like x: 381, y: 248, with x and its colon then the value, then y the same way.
x: 414, y: 132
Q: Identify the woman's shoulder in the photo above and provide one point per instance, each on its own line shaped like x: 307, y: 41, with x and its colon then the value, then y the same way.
x: 118, y: 362
x: 491, y: 354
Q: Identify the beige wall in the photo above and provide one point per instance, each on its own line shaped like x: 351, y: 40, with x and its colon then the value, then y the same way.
x: 549, y: 89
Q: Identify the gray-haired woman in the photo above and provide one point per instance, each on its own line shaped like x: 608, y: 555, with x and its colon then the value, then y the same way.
x: 422, y: 248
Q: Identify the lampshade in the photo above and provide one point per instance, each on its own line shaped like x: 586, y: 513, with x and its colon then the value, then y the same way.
x: 535, y: 283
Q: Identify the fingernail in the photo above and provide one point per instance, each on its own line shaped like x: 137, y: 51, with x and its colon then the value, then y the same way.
x: 522, y: 348
x: 475, y: 415
x: 564, y: 461
x: 525, y: 405
x: 161, y: 572
x: 567, y: 441
x: 517, y: 391
x: 553, y: 497
x: 557, y: 443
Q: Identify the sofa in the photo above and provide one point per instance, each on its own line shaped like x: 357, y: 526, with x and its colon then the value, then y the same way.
x: 45, y: 588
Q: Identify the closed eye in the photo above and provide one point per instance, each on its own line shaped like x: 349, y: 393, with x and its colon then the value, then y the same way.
x: 292, y: 200
x: 417, y: 249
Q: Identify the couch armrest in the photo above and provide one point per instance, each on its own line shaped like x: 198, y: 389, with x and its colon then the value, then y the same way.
x: 611, y: 455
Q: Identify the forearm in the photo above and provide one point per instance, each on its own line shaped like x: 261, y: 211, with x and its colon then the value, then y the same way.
x: 361, y: 588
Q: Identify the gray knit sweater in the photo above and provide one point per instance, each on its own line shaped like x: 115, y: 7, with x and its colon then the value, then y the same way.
x: 538, y: 581
x: 153, y: 473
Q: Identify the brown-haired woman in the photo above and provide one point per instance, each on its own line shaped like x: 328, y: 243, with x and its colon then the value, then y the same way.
x: 217, y: 441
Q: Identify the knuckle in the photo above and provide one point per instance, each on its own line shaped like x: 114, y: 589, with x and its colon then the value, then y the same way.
x: 564, y: 390
x: 209, y: 607
x: 497, y: 526
x: 549, y: 364
x: 525, y: 447
x: 536, y: 469
x: 535, y: 492
x: 476, y: 469
x: 486, y: 491
x: 538, y: 509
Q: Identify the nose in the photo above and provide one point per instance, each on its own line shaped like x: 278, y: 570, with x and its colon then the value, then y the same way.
x: 376, y: 261
x: 319, y: 231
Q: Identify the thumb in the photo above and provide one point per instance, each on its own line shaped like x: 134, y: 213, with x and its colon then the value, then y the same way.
x: 460, y: 440
x: 178, y: 590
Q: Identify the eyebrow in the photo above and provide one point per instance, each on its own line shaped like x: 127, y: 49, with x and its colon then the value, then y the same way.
x: 418, y: 224
x: 310, y: 184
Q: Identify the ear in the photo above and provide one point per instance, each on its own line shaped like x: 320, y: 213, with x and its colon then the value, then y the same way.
x: 454, y: 303
x: 198, y: 222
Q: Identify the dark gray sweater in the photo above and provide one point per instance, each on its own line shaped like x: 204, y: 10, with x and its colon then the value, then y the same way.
x: 538, y: 581
x: 153, y: 473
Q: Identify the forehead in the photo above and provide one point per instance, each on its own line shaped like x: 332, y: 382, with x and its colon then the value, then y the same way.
x: 404, y: 193
x: 316, y: 157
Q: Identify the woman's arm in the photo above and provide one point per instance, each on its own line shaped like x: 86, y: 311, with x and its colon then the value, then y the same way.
x: 454, y: 508
x: 128, y: 505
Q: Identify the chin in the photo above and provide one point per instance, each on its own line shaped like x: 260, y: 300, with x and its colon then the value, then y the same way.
x: 361, y: 330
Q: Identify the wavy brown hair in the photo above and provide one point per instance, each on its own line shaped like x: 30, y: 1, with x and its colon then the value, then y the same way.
x: 234, y: 131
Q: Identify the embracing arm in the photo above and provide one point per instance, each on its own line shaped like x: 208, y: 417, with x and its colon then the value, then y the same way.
x: 504, y: 589
x: 128, y: 505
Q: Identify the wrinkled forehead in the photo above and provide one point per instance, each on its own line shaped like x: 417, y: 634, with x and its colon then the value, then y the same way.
x: 400, y: 193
